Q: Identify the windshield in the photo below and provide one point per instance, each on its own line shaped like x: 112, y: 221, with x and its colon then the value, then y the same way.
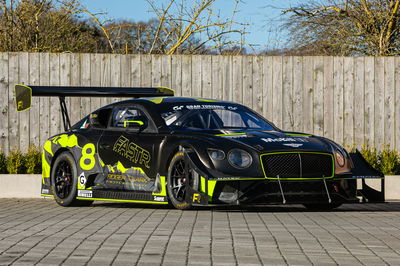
x: 212, y: 116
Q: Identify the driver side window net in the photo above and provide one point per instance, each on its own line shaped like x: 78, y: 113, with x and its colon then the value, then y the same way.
x: 121, y: 116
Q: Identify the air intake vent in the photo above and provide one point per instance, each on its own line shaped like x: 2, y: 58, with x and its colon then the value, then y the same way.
x: 297, y: 165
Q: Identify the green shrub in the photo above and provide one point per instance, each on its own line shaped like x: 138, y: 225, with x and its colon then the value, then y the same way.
x: 389, y: 162
x: 33, y: 160
x: 371, y: 155
x: 16, y: 163
x: 3, y: 163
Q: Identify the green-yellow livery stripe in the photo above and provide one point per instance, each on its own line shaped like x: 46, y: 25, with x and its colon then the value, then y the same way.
x: 231, y: 134
x: 211, y: 186
x: 120, y: 200
x: 298, y: 178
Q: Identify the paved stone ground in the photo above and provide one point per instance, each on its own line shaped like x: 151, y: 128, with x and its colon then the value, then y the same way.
x: 39, y: 232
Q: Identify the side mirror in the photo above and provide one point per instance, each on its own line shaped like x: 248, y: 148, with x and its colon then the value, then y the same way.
x: 94, y: 120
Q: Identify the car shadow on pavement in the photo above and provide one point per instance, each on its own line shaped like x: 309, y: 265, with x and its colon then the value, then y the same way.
x: 361, y: 207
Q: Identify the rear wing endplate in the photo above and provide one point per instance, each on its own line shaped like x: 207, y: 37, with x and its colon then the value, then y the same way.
x: 23, y: 95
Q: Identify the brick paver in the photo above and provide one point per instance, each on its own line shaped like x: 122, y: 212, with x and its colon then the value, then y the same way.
x: 39, y: 232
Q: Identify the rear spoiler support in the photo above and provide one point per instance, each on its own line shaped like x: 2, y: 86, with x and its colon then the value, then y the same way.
x: 64, y: 112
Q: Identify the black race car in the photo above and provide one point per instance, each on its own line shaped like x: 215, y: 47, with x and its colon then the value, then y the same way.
x: 190, y: 152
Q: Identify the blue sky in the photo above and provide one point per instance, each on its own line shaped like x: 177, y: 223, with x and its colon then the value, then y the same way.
x: 259, y: 14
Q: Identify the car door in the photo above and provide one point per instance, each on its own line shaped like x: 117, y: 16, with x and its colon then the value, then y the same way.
x: 129, y: 149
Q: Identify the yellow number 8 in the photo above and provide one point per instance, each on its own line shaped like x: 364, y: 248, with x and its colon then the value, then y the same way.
x: 87, y: 156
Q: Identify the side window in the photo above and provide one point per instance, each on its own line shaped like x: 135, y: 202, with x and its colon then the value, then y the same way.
x: 128, y: 114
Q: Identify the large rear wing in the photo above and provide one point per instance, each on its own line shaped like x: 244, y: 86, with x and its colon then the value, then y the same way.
x: 23, y: 95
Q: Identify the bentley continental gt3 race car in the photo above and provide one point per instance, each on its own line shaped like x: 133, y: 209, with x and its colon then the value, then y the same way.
x: 190, y: 152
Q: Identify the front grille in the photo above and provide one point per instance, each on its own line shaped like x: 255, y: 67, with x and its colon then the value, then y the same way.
x: 297, y: 165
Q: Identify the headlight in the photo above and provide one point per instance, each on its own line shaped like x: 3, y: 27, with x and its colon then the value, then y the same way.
x: 216, y: 154
x: 239, y: 158
x: 339, y: 158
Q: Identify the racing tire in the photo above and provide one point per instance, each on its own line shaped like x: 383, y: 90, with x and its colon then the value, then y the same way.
x: 321, y: 206
x: 64, y: 181
x: 180, y: 175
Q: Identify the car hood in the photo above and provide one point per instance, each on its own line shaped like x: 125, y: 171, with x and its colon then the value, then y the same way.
x: 264, y: 141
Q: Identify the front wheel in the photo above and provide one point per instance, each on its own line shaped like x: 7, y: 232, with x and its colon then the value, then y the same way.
x: 180, y: 177
x: 64, y: 181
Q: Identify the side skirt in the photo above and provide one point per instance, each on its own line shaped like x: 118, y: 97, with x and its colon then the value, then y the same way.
x: 121, y: 196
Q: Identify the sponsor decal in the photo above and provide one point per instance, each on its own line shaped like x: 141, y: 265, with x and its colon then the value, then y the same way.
x: 132, y: 151
x: 45, y: 191
x: 85, y: 193
x: 205, y: 107
x: 196, y: 197
x: 277, y: 140
x: 158, y: 198
x: 294, y: 145
x: 82, y: 179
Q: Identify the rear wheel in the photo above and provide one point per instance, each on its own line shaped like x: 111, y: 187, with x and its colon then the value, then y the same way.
x: 64, y: 181
x: 322, y: 206
x: 180, y: 177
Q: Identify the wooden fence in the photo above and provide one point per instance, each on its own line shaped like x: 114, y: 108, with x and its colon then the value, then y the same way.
x: 352, y: 100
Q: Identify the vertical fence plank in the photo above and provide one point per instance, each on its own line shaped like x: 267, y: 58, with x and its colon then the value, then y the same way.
x: 227, y: 78
x: 216, y: 77
x: 13, y: 117
x: 65, y: 76
x: 196, y: 75
x: 105, y: 73
x: 146, y: 71
x: 186, y: 75
x: 156, y: 71
x: 359, y: 133
x: 23, y: 68
x: 328, y: 97
x: 369, y: 101
x: 34, y: 115
x: 44, y: 109
x: 237, y: 79
x: 115, y: 69
x: 176, y: 74
x: 379, y: 125
x: 318, y: 100
x: 308, y: 88
x: 257, y: 84
x: 389, y: 99
x: 397, y: 102
x: 125, y: 66
x: 56, y: 125
x: 95, y: 80
x: 75, y: 109
x: 297, y: 93
x: 85, y: 79
x: 287, y: 94
x: 166, y: 77
x: 5, y: 108
x: 268, y: 85
x: 206, y: 77
x: 247, y: 81
x: 135, y: 71
x: 338, y: 99
x: 348, y: 90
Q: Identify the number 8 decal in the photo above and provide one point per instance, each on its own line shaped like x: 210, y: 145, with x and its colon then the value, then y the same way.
x: 87, y: 160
